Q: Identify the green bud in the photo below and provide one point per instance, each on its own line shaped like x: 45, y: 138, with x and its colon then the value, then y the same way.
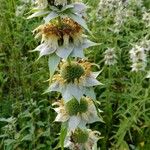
x: 80, y: 136
x: 83, y: 105
x: 72, y: 107
x: 72, y: 71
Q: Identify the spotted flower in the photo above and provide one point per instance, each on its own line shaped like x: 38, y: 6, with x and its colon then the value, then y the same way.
x: 74, y: 80
x: 77, y: 114
x: 65, y: 40
x: 82, y: 139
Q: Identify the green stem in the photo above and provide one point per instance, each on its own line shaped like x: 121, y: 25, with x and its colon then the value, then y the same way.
x: 60, y: 21
x: 69, y: 60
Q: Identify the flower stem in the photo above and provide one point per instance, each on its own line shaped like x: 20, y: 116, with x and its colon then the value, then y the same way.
x: 69, y: 60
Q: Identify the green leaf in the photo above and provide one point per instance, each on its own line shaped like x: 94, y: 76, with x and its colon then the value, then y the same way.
x: 28, y: 137
x: 53, y: 63
x: 37, y: 14
x: 51, y: 16
x: 63, y: 134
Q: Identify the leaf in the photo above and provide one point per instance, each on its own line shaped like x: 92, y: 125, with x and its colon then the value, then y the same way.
x: 51, y: 16
x: 28, y: 137
x: 63, y: 134
x: 9, y: 141
x: 87, y: 43
x: 90, y: 92
x: 8, y: 120
x: 37, y: 14
x: 53, y: 63
x: 79, y: 20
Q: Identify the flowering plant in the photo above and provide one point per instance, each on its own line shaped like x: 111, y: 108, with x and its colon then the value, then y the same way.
x: 63, y: 40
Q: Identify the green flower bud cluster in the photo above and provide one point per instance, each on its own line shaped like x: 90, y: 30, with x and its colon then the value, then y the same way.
x: 72, y: 71
x: 73, y: 107
x: 80, y: 136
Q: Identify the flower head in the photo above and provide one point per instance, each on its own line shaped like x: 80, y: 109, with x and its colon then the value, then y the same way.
x: 64, y: 39
x: 146, y: 18
x: 60, y: 2
x: 75, y: 79
x: 138, y: 58
x: 76, y: 113
x: 110, y: 57
x: 82, y: 139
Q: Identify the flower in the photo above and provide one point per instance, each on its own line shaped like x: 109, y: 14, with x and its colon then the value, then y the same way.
x: 74, y: 80
x: 82, y: 139
x: 138, y: 66
x: 110, y: 57
x: 145, y: 43
x: 51, y: 10
x: 75, y: 113
x: 146, y: 18
x: 137, y: 53
x: 64, y: 40
x: 138, y: 58
x: 60, y: 2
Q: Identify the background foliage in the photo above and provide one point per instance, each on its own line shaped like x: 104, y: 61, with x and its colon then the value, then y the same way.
x: 26, y: 115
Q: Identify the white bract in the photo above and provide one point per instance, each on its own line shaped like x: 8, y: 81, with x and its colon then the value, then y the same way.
x: 75, y: 113
x: 82, y: 139
x: 70, y: 86
x: 65, y: 40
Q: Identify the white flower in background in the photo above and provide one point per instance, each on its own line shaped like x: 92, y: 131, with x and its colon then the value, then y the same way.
x: 41, y: 4
x: 20, y: 10
x: 137, y: 53
x: 65, y: 40
x: 107, y: 6
x: 49, y: 11
x: 138, y: 66
x: 137, y: 3
x: 110, y: 57
x: 145, y: 43
x: 146, y: 18
x: 75, y: 113
x: 82, y: 139
x: 121, y: 16
x: 60, y: 2
x: 138, y: 58
x: 40, y: 9
x: 74, y: 80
